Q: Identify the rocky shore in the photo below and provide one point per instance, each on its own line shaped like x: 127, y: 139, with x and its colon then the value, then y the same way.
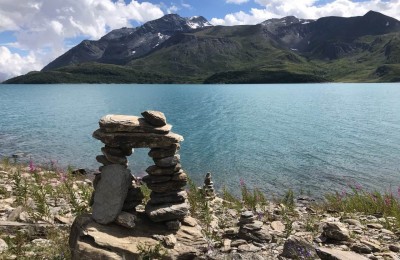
x: 52, y: 214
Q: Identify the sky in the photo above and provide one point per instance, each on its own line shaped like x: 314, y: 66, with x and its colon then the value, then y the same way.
x: 35, y: 32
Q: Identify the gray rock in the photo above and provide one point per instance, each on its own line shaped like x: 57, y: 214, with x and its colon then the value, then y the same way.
x: 115, y: 151
x: 3, y: 246
x: 113, y: 158
x: 157, y: 171
x: 169, y: 241
x: 14, y: 215
x: 137, y: 140
x: 246, y: 214
x: 168, y: 161
x: 155, y: 118
x: 151, y: 179
x: 261, y: 236
x: 157, y: 153
x: 256, y: 225
x: 189, y: 221
x: 336, y: 254
x: 394, y: 248
x: 248, y: 248
x: 298, y: 248
x: 238, y: 242
x: 353, y: 222
x: 166, y: 212
x: 103, y: 160
x: 126, y: 219
x: 111, y: 193
x: 335, y: 231
x: 361, y: 248
x: 133, y: 198
x: 173, y: 225
x: 244, y: 221
x: 374, y: 245
x: 170, y: 197
x: 278, y: 226
x: 132, y: 124
x: 168, y: 186
x: 374, y: 225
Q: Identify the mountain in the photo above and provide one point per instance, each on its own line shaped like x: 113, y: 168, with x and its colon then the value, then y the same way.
x: 173, y: 49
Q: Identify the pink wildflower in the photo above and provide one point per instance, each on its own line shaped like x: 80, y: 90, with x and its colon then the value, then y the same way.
x: 388, y: 201
x: 62, y: 177
x: 242, y: 183
x: 358, y: 186
x: 32, y: 167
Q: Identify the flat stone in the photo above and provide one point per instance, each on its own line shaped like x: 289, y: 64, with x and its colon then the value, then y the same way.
x: 244, y: 221
x: 246, y: 214
x: 126, y: 219
x: 155, y: 118
x: 375, y: 246
x: 248, y: 248
x: 238, y: 242
x: 132, y: 124
x: 336, y: 254
x: 256, y: 225
x: 151, y: 179
x: 336, y: 231
x: 103, y: 160
x: 170, y: 197
x: 298, y: 248
x: 262, y: 236
x: 226, y: 245
x: 189, y: 221
x: 278, y: 226
x: 111, y: 192
x: 168, y: 161
x: 353, y: 222
x: 114, y: 159
x: 157, y: 153
x: 117, y: 151
x: 361, y: 248
x: 137, y: 140
x: 166, y: 212
x: 167, y: 186
x: 154, y: 170
x: 374, y: 225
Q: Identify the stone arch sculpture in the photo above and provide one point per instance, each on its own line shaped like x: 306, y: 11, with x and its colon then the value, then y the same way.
x: 114, y: 189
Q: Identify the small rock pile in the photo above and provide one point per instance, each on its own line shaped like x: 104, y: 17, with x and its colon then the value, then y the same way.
x: 208, y: 187
x: 252, y: 229
x: 115, y: 189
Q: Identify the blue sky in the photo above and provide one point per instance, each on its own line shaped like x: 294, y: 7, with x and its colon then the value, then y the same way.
x: 34, y: 32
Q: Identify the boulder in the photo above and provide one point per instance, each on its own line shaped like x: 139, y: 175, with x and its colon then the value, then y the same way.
x: 278, y: 226
x: 132, y: 124
x: 298, y: 248
x: 113, y: 158
x: 111, y: 192
x: 166, y: 212
x: 336, y: 231
x: 90, y: 240
x: 155, y: 118
x: 137, y: 140
x: 336, y: 254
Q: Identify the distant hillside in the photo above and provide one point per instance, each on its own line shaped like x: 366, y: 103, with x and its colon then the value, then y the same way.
x: 173, y: 49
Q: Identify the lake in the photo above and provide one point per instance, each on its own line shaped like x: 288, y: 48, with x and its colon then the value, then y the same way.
x: 313, y: 137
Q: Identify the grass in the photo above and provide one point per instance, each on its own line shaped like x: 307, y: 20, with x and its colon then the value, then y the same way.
x: 36, y: 190
x: 386, y: 204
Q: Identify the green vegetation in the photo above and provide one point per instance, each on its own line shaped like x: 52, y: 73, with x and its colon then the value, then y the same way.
x: 241, y: 54
x: 148, y: 252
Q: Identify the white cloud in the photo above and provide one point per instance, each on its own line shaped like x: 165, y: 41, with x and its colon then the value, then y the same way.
x: 42, y: 26
x: 238, y: 2
x: 308, y: 9
x: 172, y: 9
x: 12, y: 64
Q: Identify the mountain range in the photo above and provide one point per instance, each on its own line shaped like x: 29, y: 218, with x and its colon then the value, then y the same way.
x: 174, y: 49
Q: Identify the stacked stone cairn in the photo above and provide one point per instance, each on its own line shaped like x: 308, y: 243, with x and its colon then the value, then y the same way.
x: 251, y: 229
x: 116, y: 189
x: 208, y: 187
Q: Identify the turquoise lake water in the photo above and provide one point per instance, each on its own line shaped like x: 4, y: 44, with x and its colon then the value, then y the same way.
x: 316, y: 137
